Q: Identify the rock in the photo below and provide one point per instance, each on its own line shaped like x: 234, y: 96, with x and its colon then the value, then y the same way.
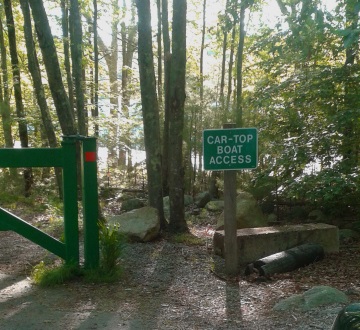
x: 131, y: 204
x: 323, y: 295
x: 316, y: 216
x: 188, y: 200
x: 293, y: 302
x: 202, y: 199
x: 248, y: 213
x: 313, y: 298
x: 347, y: 235
x: 195, y: 211
x: 141, y: 224
x: 215, y: 206
x: 297, y: 213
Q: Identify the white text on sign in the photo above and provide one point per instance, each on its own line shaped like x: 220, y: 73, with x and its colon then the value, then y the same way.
x: 223, y: 139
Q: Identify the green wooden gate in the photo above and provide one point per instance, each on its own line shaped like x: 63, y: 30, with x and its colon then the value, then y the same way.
x: 65, y: 158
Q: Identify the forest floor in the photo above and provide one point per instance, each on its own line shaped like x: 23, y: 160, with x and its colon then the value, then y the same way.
x: 167, y: 285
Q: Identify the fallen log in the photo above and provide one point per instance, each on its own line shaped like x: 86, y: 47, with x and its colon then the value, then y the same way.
x: 287, y: 260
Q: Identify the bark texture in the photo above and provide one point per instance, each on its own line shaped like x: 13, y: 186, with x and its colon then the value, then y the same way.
x: 150, y: 109
x: 50, y: 58
x: 20, y: 111
x: 177, y: 99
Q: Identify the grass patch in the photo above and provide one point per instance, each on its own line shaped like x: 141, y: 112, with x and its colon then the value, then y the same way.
x: 46, y: 276
x: 187, y: 239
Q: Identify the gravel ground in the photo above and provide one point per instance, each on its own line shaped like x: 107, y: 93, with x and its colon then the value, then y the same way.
x: 165, y: 286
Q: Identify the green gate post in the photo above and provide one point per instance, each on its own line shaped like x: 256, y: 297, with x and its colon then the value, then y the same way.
x: 71, y: 228
x: 90, y: 201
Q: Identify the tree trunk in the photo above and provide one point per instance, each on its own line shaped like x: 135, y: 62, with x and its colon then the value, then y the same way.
x: 50, y: 58
x: 159, y: 52
x: 223, y: 61
x: 177, y: 99
x: 128, y: 45
x: 150, y: 109
x: 35, y: 72
x: 77, y: 67
x: 20, y: 112
x: 66, y: 43
x: 5, y: 109
x: 239, y: 71
x: 111, y: 58
x: 199, y: 125
x: 230, y: 68
x: 349, y: 148
x: 288, y: 260
x: 167, y: 70
x: 95, y: 111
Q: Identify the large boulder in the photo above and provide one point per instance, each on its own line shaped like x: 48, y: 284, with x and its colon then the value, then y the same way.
x: 348, y: 235
x: 248, y: 213
x: 142, y: 224
x: 202, y: 199
x: 316, y: 216
x: 188, y: 200
x: 317, y: 296
x: 131, y: 204
x: 215, y: 206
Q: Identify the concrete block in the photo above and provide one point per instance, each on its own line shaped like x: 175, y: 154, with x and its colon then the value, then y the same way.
x: 256, y: 243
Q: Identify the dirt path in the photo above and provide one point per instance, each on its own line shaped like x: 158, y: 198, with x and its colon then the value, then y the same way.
x: 165, y: 286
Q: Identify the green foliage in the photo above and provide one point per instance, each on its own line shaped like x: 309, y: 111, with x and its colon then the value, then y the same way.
x: 111, y: 245
x: 46, y: 276
x: 337, y: 193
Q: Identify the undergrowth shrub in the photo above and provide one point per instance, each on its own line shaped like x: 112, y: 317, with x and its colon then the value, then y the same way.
x: 111, y: 246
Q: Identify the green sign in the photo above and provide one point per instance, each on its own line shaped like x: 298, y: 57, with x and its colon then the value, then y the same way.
x: 230, y: 149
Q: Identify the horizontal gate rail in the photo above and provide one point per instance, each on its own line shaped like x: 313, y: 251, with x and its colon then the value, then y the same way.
x: 31, y: 157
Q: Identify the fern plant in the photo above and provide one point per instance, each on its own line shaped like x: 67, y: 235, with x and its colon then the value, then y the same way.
x: 111, y: 245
